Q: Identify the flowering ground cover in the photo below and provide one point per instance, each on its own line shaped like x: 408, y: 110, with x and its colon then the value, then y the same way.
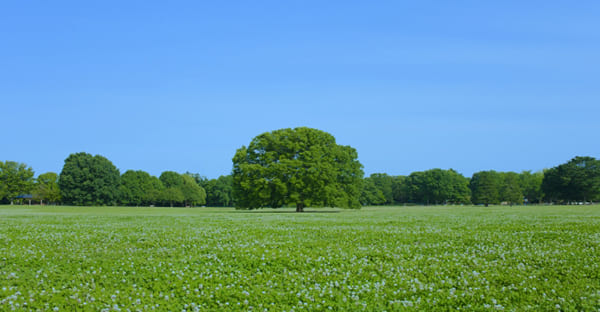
x: 378, y: 259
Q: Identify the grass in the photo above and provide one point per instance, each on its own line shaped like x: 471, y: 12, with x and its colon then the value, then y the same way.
x: 377, y: 259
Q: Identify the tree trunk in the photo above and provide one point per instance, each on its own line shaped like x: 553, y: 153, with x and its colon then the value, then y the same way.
x: 299, y: 207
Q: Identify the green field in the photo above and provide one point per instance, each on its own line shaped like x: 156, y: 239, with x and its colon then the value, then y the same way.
x: 392, y: 258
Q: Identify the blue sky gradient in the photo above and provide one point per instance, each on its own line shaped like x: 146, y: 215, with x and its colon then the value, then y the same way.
x: 178, y: 85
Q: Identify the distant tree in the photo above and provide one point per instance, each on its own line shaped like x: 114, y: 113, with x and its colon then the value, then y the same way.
x: 223, y: 191
x: 555, y: 184
x: 438, y: 186
x: 182, y: 189
x: 370, y: 193
x: 46, y: 188
x: 531, y: 184
x: 171, y: 179
x: 384, y: 183
x: 173, y: 183
x: 139, y: 188
x: 15, y: 179
x: 485, y: 187
x: 154, y: 191
x: 89, y: 180
x: 460, y: 193
x: 400, y: 189
x: 193, y: 193
x: 510, y: 190
x: 172, y: 195
x: 300, y: 166
x: 131, y: 189
x: 219, y: 192
x: 576, y: 180
x: 416, y: 186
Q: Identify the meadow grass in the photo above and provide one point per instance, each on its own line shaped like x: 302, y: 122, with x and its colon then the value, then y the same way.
x: 375, y: 259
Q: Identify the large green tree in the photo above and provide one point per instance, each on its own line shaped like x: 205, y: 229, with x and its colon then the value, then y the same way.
x: 193, y: 194
x: 139, y: 188
x: 301, y: 166
x: 485, y: 187
x: 46, y: 188
x: 511, y: 190
x: 460, y: 192
x: 439, y: 186
x: 531, y: 185
x: 181, y: 189
x: 89, y: 180
x: 576, y: 180
x: 172, y: 193
x: 15, y: 179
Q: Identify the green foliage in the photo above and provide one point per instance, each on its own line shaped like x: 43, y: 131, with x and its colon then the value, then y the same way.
x: 376, y: 259
x: 46, y: 188
x: 384, y: 183
x: 181, y: 189
x: 485, y: 187
x: 370, y: 194
x: 510, y: 190
x: 300, y: 166
x: 438, y: 186
x: 172, y: 193
x: 171, y: 179
x: 193, y: 194
x: 15, y: 179
x: 219, y: 192
x: 139, y: 188
x: 400, y: 189
x: 89, y: 180
x: 531, y: 184
x: 576, y: 180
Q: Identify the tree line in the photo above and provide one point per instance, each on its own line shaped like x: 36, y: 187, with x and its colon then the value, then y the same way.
x: 302, y: 167
x: 576, y: 181
x: 87, y: 180
x: 438, y: 186
x: 94, y: 180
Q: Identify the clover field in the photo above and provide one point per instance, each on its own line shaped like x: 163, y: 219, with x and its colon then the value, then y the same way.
x: 374, y: 259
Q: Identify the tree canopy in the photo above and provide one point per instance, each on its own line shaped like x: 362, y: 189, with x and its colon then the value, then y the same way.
x: 576, y: 180
x: 438, y: 186
x: 139, y: 188
x: 300, y: 166
x: 193, y: 194
x: 89, y: 180
x: 15, y: 179
x: 46, y: 188
x: 181, y: 189
x: 531, y: 185
x: 370, y: 193
x: 485, y: 187
x: 511, y: 190
x: 384, y: 183
x: 219, y: 192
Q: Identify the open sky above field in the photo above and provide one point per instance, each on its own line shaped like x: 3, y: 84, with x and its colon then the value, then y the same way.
x: 180, y: 85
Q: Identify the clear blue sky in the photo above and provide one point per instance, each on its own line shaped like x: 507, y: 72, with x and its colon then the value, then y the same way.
x: 171, y: 85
